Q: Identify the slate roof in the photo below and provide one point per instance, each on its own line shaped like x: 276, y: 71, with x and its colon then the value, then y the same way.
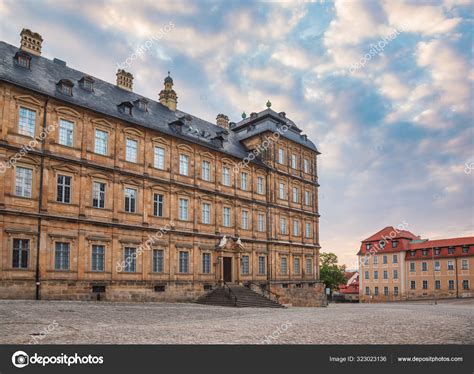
x: 44, y: 74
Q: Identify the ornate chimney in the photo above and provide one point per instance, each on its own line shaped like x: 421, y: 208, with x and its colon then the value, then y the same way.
x: 222, y: 121
x: 30, y: 42
x: 124, y: 80
x: 168, y: 96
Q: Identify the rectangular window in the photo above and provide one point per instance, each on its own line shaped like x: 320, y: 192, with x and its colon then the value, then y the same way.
x: 385, y: 274
x: 376, y: 260
x: 66, y: 133
x: 308, y: 230
x: 412, y: 266
x: 424, y: 252
x: 464, y: 265
x: 296, y: 265
x: 260, y: 185
x: 306, y: 166
x: 294, y: 161
x: 283, y: 225
x: 395, y: 291
x: 450, y: 265
x: 261, y: 265
x: 61, y: 256
x: 158, y: 205
x: 450, y: 250
x: 183, y: 262
x: 21, y: 250
x: 424, y: 266
x: 226, y: 216
x: 465, y: 249
x: 206, y: 170
x: 158, y: 261
x: 451, y: 284
x: 261, y: 222
x: 206, y: 263
x: 26, y: 122
x: 465, y: 284
x: 395, y: 259
x: 425, y: 284
x: 367, y: 246
x: 243, y: 181
x: 98, y: 195
x: 63, y: 189
x: 437, y: 284
x: 130, y: 200
x: 395, y: 274
x: 385, y: 291
x: 413, y: 285
x: 296, y: 195
x: 376, y: 274
x: 131, y: 150
x: 23, y: 181
x: 245, y: 220
x: 394, y: 244
x: 130, y: 260
x: 245, y: 265
x: 283, y: 265
x: 367, y: 290
x: 183, y: 164
x: 281, y: 193
x: 296, y: 227
x: 366, y: 274
x: 385, y: 259
x: 376, y: 291
x: 309, y: 266
x: 159, y: 161
x: 226, y: 176
x: 437, y: 266
x: 281, y: 156
x: 307, y: 198
x: 206, y: 213
x: 98, y: 257
x: 183, y: 209
x: 437, y: 251
x: 101, y: 142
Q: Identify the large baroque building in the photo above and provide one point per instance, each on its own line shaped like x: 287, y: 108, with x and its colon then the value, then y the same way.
x: 106, y: 192
x: 395, y: 264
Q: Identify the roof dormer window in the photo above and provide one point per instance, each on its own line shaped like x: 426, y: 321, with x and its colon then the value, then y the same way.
x: 65, y: 87
x: 126, y: 107
x: 142, y: 104
x: 23, y: 59
x: 87, y: 83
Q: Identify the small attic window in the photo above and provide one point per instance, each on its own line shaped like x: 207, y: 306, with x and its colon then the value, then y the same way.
x: 126, y: 107
x: 65, y: 87
x: 23, y: 59
x: 87, y: 83
x: 142, y: 104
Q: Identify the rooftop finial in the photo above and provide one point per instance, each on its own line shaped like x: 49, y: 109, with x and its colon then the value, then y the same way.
x: 244, y: 115
x: 269, y: 104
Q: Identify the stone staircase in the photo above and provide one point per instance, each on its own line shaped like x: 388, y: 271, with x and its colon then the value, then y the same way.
x: 246, y: 298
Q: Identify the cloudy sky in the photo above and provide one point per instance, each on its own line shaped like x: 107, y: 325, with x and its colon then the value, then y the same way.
x: 384, y: 89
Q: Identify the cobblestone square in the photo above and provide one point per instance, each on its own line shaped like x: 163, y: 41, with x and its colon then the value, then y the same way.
x: 62, y: 322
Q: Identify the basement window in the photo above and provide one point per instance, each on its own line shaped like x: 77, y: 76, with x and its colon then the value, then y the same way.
x: 207, y: 287
x: 284, y: 285
x: 98, y: 289
x: 160, y: 288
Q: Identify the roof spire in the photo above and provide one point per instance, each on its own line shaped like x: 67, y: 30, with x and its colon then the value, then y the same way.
x: 269, y: 104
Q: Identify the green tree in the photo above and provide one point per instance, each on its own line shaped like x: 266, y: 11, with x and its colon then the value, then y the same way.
x: 330, y: 272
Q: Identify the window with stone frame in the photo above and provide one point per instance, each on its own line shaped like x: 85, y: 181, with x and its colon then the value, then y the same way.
x: 63, y: 189
x: 183, y: 261
x: 26, y: 121
x: 158, y: 260
x: 61, y: 256
x: 206, y: 263
x: 245, y: 265
x: 20, y: 253
x: 98, y: 257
